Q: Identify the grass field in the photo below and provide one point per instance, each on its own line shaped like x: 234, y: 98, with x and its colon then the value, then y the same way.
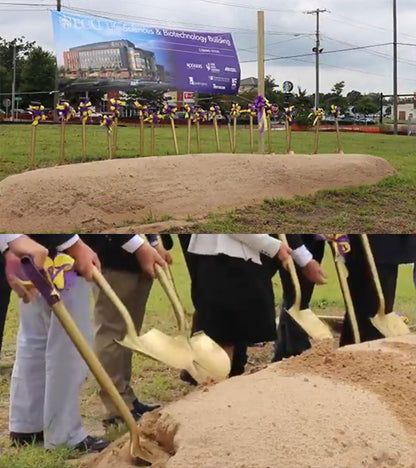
x: 386, y: 207
x: 153, y: 381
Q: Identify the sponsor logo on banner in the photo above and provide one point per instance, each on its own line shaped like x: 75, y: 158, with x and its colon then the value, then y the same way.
x: 211, y: 67
x: 234, y: 82
x: 194, y: 66
x: 219, y: 87
x: 230, y: 69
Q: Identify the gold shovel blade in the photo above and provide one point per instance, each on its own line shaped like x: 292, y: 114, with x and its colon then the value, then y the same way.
x: 390, y: 324
x: 161, y: 347
x: 210, y: 357
x: 314, y: 327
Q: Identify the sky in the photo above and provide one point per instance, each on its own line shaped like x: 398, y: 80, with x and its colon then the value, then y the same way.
x: 290, y: 31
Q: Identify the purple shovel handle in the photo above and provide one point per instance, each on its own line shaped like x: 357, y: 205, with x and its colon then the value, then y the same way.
x: 40, y: 280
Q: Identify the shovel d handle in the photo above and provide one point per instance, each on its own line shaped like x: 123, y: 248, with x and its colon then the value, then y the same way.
x: 293, y: 274
x: 374, y: 273
x: 109, y: 291
x: 173, y: 298
x: 346, y: 293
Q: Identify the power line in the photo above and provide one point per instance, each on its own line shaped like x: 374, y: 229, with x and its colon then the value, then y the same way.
x: 248, y: 7
x: 324, y: 52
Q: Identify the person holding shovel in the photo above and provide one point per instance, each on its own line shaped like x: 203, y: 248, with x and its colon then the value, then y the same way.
x: 292, y: 340
x: 130, y: 272
x: 389, y: 251
x: 231, y: 289
x: 48, y: 372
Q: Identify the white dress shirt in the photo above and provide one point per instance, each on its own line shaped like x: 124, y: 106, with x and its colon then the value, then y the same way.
x: 5, y: 239
x: 245, y: 246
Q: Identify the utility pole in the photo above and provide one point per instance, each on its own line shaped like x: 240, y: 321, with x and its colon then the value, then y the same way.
x: 317, y: 49
x: 14, y: 80
x: 55, y: 91
x: 260, y: 65
x: 395, y: 124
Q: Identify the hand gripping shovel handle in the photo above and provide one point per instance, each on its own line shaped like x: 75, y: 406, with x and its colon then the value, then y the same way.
x: 374, y: 273
x: 342, y: 277
x: 40, y: 280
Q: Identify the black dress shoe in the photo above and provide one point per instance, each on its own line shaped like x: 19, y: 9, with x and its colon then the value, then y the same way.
x: 118, y: 420
x: 26, y: 438
x: 92, y: 444
x: 142, y: 408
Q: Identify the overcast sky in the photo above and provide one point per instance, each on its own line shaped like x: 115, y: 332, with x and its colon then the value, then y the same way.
x: 289, y: 31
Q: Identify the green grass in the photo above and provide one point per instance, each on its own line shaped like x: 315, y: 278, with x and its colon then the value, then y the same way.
x: 154, y: 381
x: 385, y: 207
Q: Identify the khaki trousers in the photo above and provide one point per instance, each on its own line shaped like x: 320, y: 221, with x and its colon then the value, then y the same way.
x: 133, y: 289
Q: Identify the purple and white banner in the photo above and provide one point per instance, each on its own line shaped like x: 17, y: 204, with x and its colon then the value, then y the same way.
x: 94, y: 51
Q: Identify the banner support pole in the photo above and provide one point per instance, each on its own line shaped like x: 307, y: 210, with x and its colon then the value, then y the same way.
x: 260, y: 65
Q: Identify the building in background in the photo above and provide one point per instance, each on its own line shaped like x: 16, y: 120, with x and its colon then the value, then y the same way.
x: 119, y: 59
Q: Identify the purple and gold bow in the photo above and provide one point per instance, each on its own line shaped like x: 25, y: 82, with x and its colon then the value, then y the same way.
x: 189, y: 112
x: 259, y: 105
x: 142, y: 108
x: 153, y: 117
x: 84, y: 109
x: 268, y: 108
x: 65, y: 110
x: 214, y: 111
x: 289, y: 114
x: 335, y: 110
x: 169, y: 112
x: 116, y: 106
x: 200, y: 115
x: 38, y: 112
x: 341, y: 240
x: 318, y: 115
x: 60, y: 270
x: 251, y: 110
x: 235, y: 110
x: 107, y: 122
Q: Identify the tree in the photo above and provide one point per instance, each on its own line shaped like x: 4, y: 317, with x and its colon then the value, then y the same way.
x: 353, y: 97
x: 366, y: 105
x: 338, y: 88
x: 23, y: 49
x: 38, y: 74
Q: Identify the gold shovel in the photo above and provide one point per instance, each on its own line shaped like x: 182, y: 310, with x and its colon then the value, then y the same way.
x: 200, y: 356
x: 41, y: 281
x: 342, y: 273
x: 211, y: 359
x: 307, y: 320
x: 387, y: 324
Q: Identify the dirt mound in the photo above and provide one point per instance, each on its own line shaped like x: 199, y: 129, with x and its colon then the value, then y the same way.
x: 326, y: 408
x: 100, y: 196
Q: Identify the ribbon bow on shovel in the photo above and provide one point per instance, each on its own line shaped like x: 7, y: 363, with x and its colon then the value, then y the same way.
x: 42, y: 282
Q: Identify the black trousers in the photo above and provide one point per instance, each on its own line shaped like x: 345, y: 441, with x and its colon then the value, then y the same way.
x: 291, y: 338
x: 365, y: 300
x: 4, y: 300
x: 240, y: 351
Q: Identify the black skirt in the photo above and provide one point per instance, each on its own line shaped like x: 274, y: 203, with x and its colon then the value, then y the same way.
x: 234, y: 299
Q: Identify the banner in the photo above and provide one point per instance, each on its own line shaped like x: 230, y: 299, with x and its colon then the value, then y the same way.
x: 98, y: 53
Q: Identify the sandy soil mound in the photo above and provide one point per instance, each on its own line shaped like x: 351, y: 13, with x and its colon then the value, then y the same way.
x: 99, y: 196
x: 323, y: 409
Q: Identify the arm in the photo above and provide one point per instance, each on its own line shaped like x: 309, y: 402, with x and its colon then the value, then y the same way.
x: 265, y: 244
